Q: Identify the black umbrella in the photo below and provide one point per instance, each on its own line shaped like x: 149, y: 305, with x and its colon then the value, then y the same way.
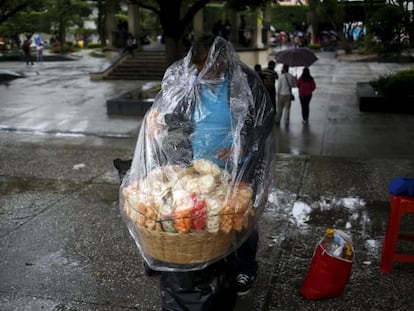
x: 296, y: 57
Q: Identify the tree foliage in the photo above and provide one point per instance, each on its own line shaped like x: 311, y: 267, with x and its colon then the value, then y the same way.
x: 175, y: 17
x: 9, y: 8
x: 104, y: 8
x: 387, y: 24
x: 63, y: 14
x: 398, y: 85
x: 240, y: 5
x: 289, y: 18
x: 49, y: 16
x: 19, y: 17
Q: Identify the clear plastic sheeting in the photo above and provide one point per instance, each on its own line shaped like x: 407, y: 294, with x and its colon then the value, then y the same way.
x: 201, y: 170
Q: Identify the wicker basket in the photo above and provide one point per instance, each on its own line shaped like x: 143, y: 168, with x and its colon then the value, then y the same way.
x: 185, y: 248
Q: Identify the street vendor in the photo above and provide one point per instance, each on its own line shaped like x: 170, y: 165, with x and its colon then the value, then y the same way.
x: 212, y: 108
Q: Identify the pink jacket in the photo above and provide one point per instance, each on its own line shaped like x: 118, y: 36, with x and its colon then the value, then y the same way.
x: 305, y: 87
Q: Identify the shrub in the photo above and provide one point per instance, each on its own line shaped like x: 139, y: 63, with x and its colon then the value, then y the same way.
x: 57, y: 48
x: 94, y: 45
x: 315, y: 46
x: 400, y: 84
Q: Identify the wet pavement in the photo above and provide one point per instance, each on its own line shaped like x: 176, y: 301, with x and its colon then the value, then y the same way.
x: 64, y: 246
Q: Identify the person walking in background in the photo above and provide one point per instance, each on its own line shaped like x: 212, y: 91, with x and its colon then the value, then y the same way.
x: 306, y: 85
x: 39, y: 51
x: 26, y: 51
x: 269, y: 77
x: 285, y: 97
x: 258, y: 69
x: 131, y: 44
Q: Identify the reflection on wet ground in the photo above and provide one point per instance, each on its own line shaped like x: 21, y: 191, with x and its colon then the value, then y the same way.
x: 60, y: 222
x: 59, y: 97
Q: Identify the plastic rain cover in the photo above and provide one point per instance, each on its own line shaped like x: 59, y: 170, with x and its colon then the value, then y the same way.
x: 201, y: 170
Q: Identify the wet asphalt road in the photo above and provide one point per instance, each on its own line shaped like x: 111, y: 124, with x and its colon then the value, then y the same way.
x: 63, y: 245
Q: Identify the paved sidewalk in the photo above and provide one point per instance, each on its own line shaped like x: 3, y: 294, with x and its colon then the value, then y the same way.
x: 63, y: 245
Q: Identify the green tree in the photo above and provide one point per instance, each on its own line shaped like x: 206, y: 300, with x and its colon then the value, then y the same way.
x: 289, y: 18
x: 19, y: 17
x: 104, y: 8
x: 333, y: 12
x: 387, y: 24
x: 407, y: 18
x: 63, y: 14
x: 50, y: 16
x: 9, y: 8
x: 176, y: 15
x: 241, y: 5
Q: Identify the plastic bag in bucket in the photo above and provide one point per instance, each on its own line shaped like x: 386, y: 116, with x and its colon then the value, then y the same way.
x: 331, y: 266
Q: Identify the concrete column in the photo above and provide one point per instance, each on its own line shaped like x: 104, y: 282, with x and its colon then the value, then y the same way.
x: 133, y: 20
x: 111, y: 28
x: 256, y: 22
x: 267, y: 18
x: 198, y: 22
x: 234, y: 24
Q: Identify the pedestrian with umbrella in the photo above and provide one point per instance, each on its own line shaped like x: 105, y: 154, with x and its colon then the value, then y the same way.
x: 285, y: 96
x: 296, y: 57
x: 306, y: 85
x: 303, y: 57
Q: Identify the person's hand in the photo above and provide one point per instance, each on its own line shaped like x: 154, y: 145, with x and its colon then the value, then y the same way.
x: 224, y: 153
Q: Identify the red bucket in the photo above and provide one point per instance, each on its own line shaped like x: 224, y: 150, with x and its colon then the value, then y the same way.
x: 327, y: 276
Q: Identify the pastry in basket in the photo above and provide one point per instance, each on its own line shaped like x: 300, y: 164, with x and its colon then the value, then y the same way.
x: 198, y: 212
x: 175, y: 199
x: 237, y: 209
x: 160, y: 179
x: 141, y: 208
x: 182, y: 219
x: 200, y: 184
x: 182, y: 211
x: 214, y: 205
x: 206, y: 167
x: 167, y: 218
x: 147, y: 214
